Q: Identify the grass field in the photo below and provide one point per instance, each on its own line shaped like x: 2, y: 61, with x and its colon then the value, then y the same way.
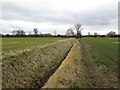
x: 103, y: 51
x: 20, y: 43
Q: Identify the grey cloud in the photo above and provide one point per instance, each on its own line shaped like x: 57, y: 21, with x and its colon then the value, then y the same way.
x: 100, y: 16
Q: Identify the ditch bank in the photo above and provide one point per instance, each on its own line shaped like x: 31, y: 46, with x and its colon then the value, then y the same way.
x: 79, y: 70
x: 31, y: 69
x: 70, y: 74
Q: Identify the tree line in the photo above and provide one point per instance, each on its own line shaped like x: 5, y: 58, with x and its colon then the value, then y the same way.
x: 74, y: 32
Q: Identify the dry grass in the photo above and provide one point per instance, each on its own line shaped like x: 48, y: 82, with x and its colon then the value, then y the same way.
x: 67, y: 75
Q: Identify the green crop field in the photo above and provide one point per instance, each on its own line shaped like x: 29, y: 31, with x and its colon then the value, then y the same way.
x: 104, y: 51
x: 20, y: 43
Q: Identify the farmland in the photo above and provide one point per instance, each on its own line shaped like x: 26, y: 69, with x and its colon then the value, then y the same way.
x: 104, y: 51
x: 92, y: 63
x: 70, y: 63
x: 102, y: 58
x: 20, y: 43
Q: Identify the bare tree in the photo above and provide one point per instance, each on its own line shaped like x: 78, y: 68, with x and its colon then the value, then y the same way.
x: 68, y: 32
x: 13, y: 32
x: 35, y: 30
x: 111, y: 34
x: 22, y: 32
x: 71, y: 32
x: 40, y: 33
x: 18, y: 32
x: 29, y: 32
x: 78, y: 29
x: 89, y: 34
x: 95, y: 34
x: 55, y: 32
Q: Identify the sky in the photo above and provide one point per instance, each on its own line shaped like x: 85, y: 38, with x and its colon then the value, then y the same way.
x: 48, y: 16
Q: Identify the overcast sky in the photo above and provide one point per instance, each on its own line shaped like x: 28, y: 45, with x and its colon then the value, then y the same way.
x: 58, y: 15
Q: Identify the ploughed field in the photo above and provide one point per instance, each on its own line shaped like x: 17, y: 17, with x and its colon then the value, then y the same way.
x: 20, y: 43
